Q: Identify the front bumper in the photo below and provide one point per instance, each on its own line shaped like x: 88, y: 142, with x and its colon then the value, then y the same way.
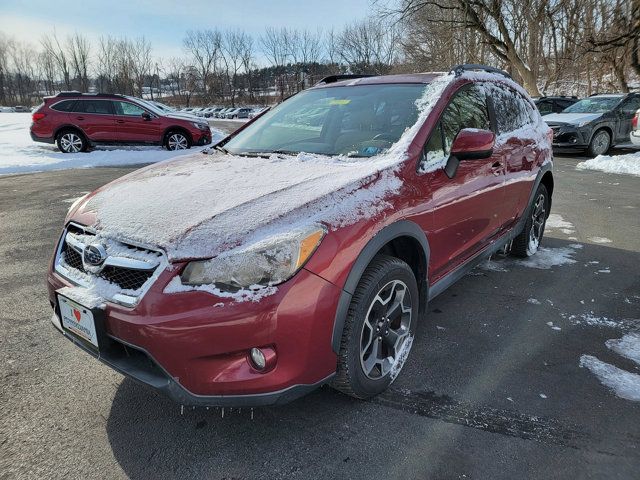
x: 194, y: 347
x: 569, y: 136
x: 205, y: 139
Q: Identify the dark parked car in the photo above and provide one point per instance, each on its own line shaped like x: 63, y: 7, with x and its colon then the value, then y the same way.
x: 296, y: 255
x: 547, y: 105
x: 75, y: 121
x: 595, y: 123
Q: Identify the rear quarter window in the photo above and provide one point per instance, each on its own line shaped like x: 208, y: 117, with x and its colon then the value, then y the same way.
x: 64, y: 106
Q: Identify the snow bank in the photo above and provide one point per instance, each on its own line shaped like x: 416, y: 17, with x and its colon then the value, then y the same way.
x: 20, y: 154
x: 627, y: 346
x: 625, y: 164
x: 624, y: 384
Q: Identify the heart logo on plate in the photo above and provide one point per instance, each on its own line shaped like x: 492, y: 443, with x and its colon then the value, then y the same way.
x: 77, y: 314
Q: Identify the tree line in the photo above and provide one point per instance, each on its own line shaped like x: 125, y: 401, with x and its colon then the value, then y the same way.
x: 550, y: 46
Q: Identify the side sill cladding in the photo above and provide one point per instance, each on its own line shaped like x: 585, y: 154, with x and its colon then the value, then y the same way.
x: 403, y: 228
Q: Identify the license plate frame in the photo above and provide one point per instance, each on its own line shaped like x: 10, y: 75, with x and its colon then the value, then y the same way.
x: 87, y: 327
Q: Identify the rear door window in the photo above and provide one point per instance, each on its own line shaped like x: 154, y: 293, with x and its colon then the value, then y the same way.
x: 511, y: 110
x: 100, y: 107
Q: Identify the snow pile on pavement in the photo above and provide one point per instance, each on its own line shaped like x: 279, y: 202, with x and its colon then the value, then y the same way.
x: 627, y: 164
x: 20, y: 154
x: 555, y: 221
x: 623, y: 383
x: 627, y: 346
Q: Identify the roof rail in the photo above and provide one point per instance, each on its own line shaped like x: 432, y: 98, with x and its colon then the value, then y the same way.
x: 339, y: 78
x: 609, y: 93
x: 474, y: 67
x: 69, y: 93
x: 75, y: 93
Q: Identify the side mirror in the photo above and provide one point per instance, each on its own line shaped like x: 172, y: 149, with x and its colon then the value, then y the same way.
x: 473, y: 144
x: 146, y: 116
x: 469, y: 144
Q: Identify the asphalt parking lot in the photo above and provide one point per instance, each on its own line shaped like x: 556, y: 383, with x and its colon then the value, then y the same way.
x: 491, y: 389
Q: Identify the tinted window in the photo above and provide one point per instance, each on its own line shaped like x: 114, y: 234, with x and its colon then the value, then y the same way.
x: 129, y: 109
x: 545, y: 107
x: 64, y: 106
x: 468, y: 109
x: 630, y: 106
x: 102, y: 107
x: 512, y: 111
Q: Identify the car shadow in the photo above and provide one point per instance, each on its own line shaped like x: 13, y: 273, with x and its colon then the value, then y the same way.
x: 480, y: 361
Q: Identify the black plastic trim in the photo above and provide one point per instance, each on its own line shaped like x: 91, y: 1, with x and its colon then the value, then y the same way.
x: 402, y: 228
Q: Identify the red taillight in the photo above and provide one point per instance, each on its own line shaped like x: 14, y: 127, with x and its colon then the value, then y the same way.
x: 38, y: 116
x: 634, y: 121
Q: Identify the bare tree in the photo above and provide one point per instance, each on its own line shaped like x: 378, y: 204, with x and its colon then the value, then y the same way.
x: 236, y: 50
x: 204, y: 48
x: 79, y: 50
x: 51, y: 46
x: 276, y: 46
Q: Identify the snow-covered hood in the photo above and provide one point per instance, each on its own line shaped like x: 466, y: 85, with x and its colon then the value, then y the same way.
x: 185, y: 116
x: 571, y: 118
x: 199, y: 205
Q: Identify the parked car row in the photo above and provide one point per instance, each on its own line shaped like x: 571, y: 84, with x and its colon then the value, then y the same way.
x: 594, y: 124
x: 17, y: 108
x: 224, y: 112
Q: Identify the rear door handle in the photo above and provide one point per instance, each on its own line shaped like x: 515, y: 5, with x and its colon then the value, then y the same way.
x: 79, y: 118
x: 120, y: 121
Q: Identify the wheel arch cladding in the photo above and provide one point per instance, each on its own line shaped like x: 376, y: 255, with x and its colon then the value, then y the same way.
x: 607, y: 128
x: 404, y: 240
x: 547, y: 181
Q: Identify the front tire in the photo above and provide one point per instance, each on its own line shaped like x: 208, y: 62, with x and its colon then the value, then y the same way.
x: 600, y: 143
x: 176, y: 140
x: 528, y: 241
x: 379, y: 328
x: 71, y: 141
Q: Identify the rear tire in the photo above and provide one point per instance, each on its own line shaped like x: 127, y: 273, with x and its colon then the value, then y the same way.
x: 71, y: 141
x: 379, y: 328
x: 177, y: 140
x: 600, y: 143
x: 528, y: 241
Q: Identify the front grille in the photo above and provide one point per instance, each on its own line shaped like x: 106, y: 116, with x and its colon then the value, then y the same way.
x: 126, y: 278
x: 127, y: 266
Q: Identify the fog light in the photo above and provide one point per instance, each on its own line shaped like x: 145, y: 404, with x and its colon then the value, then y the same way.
x: 258, y: 359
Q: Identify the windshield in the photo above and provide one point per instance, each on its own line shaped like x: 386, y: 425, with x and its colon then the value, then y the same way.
x: 593, y: 105
x: 358, y: 121
x: 148, y: 105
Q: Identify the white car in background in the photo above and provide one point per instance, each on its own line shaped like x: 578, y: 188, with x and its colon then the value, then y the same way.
x: 635, y: 129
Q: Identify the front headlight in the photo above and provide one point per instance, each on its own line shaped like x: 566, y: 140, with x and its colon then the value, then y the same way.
x: 200, y: 126
x: 582, y: 124
x: 264, y: 263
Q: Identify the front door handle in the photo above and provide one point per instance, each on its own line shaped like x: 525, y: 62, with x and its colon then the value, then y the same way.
x: 120, y: 121
x: 79, y: 118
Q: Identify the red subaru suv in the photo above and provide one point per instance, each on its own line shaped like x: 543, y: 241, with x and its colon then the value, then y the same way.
x: 75, y: 121
x: 304, y: 248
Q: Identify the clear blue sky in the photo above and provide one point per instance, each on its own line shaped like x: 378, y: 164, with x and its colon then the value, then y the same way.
x: 165, y: 22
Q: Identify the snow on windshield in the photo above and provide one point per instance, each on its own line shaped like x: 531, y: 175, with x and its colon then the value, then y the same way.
x: 593, y: 105
x: 201, y: 205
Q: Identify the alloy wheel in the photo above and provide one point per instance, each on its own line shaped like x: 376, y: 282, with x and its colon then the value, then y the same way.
x: 538, y: 218
x: 601, y: 143
x: 385, y: 330
x: 71, y: 143
x: 177, y: 141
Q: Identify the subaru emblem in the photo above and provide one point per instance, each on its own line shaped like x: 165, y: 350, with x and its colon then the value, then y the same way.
x: 94, y: 255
